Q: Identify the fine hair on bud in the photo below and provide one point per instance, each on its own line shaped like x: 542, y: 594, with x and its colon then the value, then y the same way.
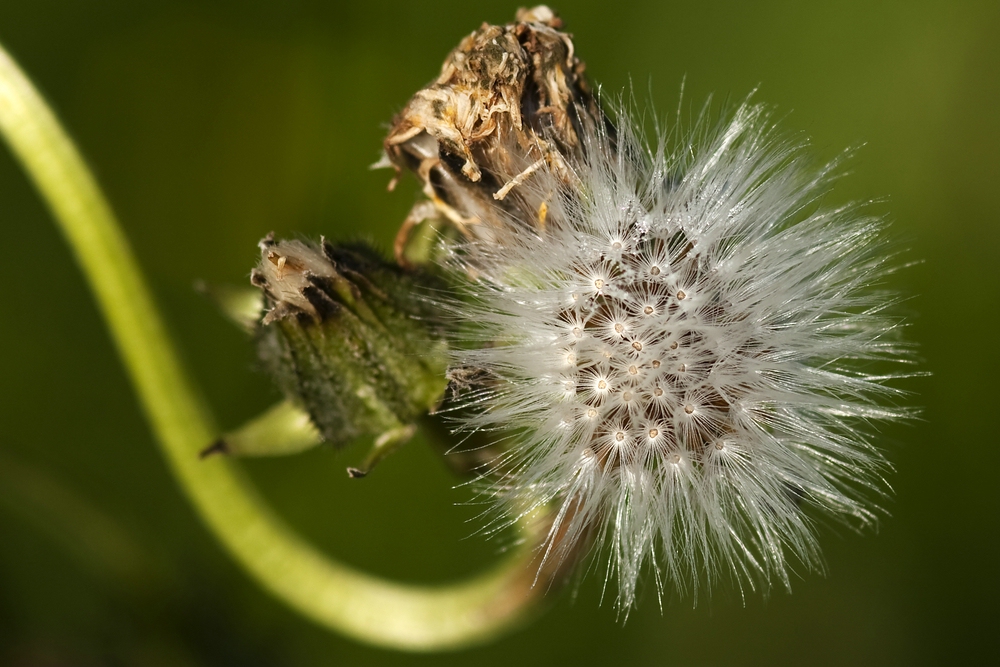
x: 347, y: 337
x: 683, y: 349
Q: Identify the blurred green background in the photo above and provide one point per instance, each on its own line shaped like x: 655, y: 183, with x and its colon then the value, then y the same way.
x: 211, y: 123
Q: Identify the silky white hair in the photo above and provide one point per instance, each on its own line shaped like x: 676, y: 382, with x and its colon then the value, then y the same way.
x: 684, y: 351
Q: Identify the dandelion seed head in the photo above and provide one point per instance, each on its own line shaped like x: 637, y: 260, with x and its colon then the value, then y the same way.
x: 709, y: 324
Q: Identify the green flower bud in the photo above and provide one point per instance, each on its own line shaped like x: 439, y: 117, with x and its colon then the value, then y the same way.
x: 347, y: 337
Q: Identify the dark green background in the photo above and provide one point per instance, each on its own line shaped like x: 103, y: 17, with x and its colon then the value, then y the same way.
x: 211, y: 123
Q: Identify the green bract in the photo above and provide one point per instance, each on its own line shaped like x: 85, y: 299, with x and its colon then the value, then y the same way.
x: 349, y: 337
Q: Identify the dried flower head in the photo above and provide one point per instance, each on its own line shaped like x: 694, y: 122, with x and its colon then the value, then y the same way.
x: 507, y: 102
x: 683, y: 350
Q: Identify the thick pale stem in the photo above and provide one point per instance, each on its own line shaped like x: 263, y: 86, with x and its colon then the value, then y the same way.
x: 351, y: 602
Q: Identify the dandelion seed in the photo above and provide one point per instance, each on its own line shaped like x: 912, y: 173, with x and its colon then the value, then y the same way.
x: 720, y: 328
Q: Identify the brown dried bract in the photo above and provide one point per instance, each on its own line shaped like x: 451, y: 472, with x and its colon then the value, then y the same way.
x: 510, y: 100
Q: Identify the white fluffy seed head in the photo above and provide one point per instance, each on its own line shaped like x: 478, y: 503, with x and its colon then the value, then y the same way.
x: 710, y: 327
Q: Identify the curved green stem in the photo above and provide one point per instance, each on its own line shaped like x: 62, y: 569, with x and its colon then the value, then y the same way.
x: 359, y: 605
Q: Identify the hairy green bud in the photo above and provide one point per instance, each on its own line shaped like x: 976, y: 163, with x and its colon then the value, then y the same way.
x: 348, y: 337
